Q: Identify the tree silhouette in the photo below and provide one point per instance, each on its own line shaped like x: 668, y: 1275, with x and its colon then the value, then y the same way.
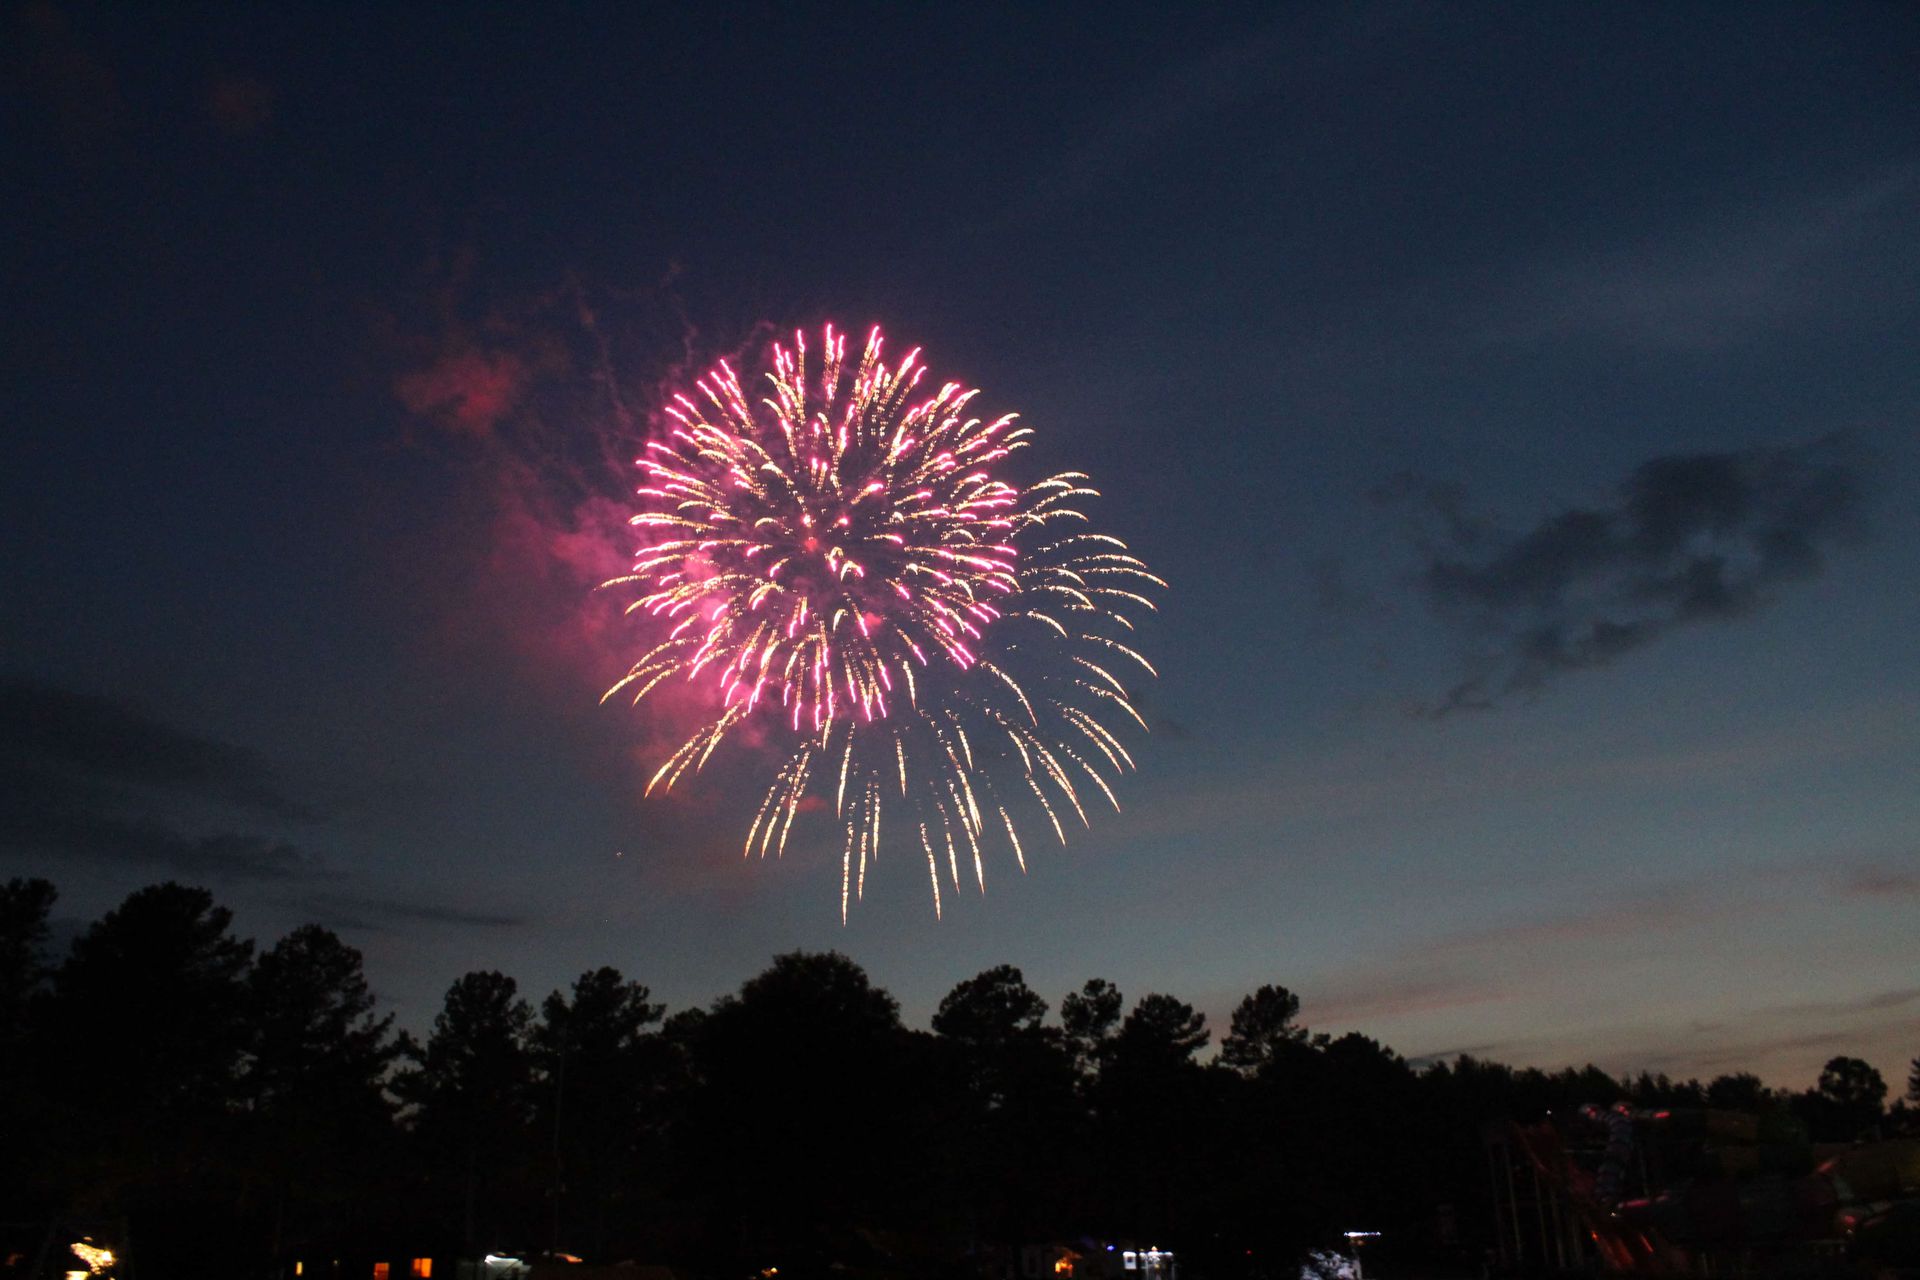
x: 803, y: 1126
x: 1846, y: 1102
x: 1263, y: 1030
x: 1160, y: 1032
x: 316, y: 1064
x: 996, y: 1023
x: 145, y: 1028
x: 1152, y: 1104
x: 24, y: 905
x: 795, y: 1124
x: 602, y: 1067
x: 1011, y: 1148
x: 159, y: 971
x: 1741, y: 1091
x: 470, y: 1090
x: 1089, y: 1017
x: 1365, y: 1163
x: 316, y: 1044
x: 995, y: 1006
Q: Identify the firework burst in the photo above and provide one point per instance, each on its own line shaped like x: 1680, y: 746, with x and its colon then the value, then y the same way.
x: 843, y: 562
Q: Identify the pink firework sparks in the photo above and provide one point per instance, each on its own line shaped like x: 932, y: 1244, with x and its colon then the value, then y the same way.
x: 841, y: 559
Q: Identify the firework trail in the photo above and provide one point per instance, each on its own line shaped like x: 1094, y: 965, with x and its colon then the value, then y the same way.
x: 842, y: 562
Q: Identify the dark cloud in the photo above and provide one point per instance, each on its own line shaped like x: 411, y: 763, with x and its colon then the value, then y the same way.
x: 1444, y: 501
x: 1169, y: 728
x: 383, y: 914
x: 1334, y: 589
x: 52, y: 825
x: 1882, y: 882
x: 98, y: 779
x: 1687, y: 539
x: 105, y: 739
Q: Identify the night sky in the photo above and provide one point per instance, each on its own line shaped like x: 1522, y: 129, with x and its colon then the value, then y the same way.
x: 1520, y: 401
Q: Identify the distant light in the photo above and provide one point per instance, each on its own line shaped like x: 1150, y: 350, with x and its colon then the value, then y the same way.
x: 96, y: 1258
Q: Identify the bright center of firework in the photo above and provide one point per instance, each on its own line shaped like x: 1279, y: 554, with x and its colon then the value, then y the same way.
x: 840, y: 552
x: 819, y: 550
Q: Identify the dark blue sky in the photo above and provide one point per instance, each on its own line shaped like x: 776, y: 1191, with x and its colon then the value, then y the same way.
x: 1519, y: 399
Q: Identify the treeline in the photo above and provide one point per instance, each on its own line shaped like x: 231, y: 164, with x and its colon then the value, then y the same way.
x: 237, y: 1107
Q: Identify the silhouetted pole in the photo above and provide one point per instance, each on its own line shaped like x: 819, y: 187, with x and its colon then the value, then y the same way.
x: 559, y: 1167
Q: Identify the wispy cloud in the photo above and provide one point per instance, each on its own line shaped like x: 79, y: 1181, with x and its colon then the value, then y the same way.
x: 1685, y: 1058
x: 1177, y: 103
x: 1882, y: 882
x: 1674, y: 906
x: 358, y: 911
x: 1878, y: 1002
x: 1399, y: 992
x: 1357, y: 783
x: 1526, y: 967
x: 1733, y: 276
x: 1787, y: 1057
x: 1506, y: 963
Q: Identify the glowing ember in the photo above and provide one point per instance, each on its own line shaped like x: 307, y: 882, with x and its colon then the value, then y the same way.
x: 98, y: 1260
x: 843, y: 563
